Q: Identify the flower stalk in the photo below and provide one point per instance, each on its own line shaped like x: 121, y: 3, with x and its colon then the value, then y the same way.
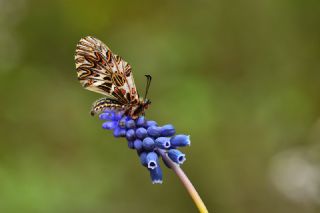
x: 185, y: 181
x: 153, y: 142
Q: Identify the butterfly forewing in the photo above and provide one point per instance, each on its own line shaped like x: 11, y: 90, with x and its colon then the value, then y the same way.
x: 101, y: 71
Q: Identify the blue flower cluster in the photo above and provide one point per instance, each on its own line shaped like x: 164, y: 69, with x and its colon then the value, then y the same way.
x: 147, y: 138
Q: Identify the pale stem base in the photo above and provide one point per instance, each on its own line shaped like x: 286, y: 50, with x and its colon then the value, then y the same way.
x: 185, y: 181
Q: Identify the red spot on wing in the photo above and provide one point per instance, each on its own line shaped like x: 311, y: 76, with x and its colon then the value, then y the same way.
x: 123, y: 91
x: 116, y: 90
x: 133, y: 91
x: 90, y: 81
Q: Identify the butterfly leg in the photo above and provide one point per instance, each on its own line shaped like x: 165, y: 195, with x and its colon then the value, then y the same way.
x: 104, y: 103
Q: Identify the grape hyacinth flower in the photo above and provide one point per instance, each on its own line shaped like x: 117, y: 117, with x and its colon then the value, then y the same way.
x: 153, y: 142
x: 148, y: 139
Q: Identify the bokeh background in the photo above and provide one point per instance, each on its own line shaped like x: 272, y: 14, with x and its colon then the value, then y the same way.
x: 241, y: 77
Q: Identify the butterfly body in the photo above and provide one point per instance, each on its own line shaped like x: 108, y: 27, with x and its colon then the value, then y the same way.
x: 101, y: 71
x: 133, y: 110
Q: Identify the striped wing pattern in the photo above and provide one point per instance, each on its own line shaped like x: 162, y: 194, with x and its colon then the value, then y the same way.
x: 101, y: 71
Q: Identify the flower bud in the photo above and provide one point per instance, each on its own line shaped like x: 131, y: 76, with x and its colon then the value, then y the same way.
x: 109, y: 125
x: 119, y: 132
x: 148, y: 143
x: 152, y: 159
x: 137, y: 144
x: 143, y: 158
x: 130, y: 144
x: 107, y: 115
x: 141, y: 133
x: 153, y: 131
x: 130, y: 135
x: 151, y: 123
x: 156, y: 175
x: 122, y: 122
x: 118, y: 115
x: 180, y: 140
x: 176, y: 156
x: 140, y: 121
x: 167, y: 130
x: 130, y: 124
x: 163, y: 142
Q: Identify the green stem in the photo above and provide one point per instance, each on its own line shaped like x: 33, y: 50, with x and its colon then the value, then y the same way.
x: 185, y: 181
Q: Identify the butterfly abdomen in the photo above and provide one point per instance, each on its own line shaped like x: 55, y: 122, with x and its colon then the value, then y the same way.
x: 103, y: 104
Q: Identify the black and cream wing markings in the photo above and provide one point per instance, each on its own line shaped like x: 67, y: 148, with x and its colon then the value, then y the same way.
x: 101, y: 71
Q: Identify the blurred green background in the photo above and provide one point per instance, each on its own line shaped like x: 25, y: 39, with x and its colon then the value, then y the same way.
x: 241, y: 77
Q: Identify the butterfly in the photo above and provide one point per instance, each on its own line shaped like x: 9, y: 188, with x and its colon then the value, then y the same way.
x: 104, y: 72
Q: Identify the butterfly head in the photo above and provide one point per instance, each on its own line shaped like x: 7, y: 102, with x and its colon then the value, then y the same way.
x: 139, y: 109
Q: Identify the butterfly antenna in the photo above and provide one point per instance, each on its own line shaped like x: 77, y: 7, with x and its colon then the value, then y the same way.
x: 149, y: 78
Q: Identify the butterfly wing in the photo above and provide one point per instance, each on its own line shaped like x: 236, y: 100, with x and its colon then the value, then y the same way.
x: 101, y: 71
